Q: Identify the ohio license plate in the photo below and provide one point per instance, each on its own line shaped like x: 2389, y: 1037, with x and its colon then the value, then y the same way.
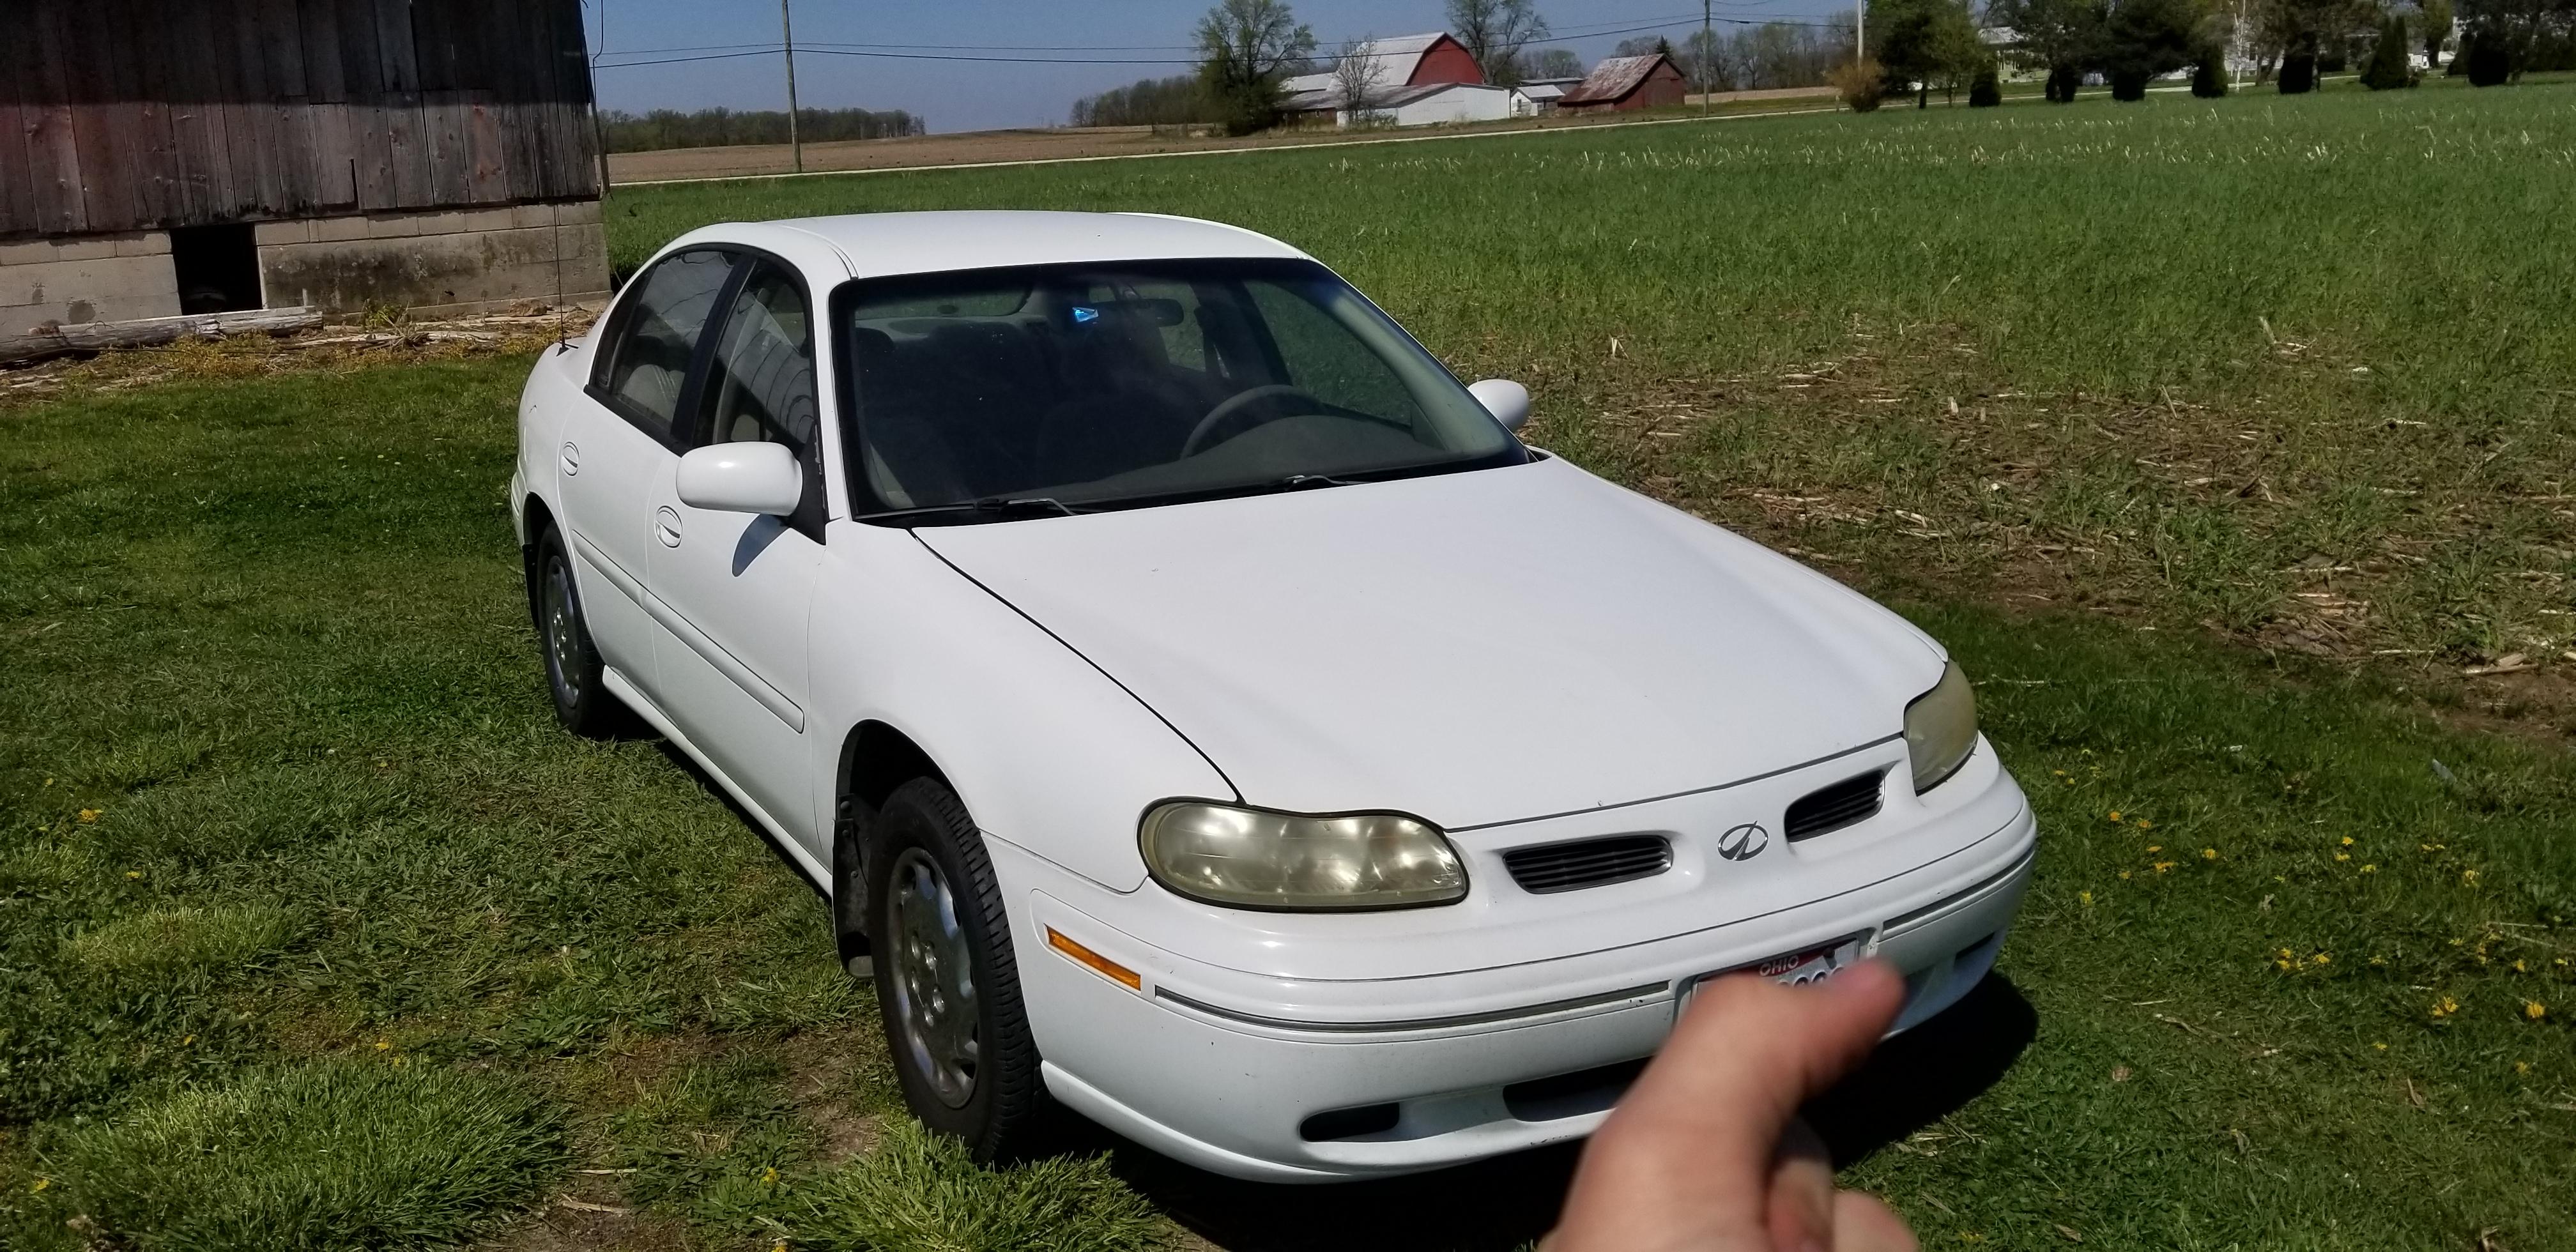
x: 1790, y: 969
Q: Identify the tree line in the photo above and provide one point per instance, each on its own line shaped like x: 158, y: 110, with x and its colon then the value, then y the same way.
x: 1921, y: 46
x: 716, y: 128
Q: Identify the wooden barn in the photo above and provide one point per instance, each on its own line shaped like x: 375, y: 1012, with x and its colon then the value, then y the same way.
x: 1626, y: 83
x: 199, y: 156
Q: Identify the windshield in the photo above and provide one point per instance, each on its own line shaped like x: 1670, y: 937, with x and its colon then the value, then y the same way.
x: 1117, y: 385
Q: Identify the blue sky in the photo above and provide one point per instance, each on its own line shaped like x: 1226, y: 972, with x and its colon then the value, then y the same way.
x: 957, y: 95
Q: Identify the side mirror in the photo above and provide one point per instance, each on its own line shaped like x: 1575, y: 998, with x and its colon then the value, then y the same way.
x: 741, y: 478
x: 1508, y: 401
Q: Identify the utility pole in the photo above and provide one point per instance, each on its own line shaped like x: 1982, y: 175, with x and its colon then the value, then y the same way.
x: 1707, y: 53
x: 1860, y: 31
x: 599, y: 131
x: 787, y: 27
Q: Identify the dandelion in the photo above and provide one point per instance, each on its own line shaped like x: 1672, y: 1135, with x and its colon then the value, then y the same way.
x: 2347, y: 841
x: 2379, y: 960
x: 89, y: 815
x: 2343, y: 856
x: 2059, y: 772
x: 2124, y: 877
x: 2370, y: 869
x: 2522, y: 1067
x: 2445, y: 1006
x: 2085, y: 897
x: 2115, y: 815
x: 2144, y: 824
x: 384, y: 1045
x: 185, y: 1040
x: 2380, y: 1047
x: 134, y: 873
x: 2162, y: 866
x: 769, y: 1176
x: 2469, y: 877
x: 2321, y: 959
x: 41, y: 1183
x: 2534, y: 1009
x: 2517, y: 968
x: 2209, y: 854
x: 2155, y: 847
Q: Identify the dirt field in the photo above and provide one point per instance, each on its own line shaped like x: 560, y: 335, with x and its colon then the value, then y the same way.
x: 1057, y: 144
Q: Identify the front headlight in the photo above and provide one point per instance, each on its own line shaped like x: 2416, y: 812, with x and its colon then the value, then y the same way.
x: 1941, y: 728
x: 1253, y: 858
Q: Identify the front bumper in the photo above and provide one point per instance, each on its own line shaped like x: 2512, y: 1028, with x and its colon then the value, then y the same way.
x: 1319, y: 1079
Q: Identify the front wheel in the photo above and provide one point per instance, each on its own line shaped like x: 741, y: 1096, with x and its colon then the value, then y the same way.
x: 948, y: 988
x: 573, y: 668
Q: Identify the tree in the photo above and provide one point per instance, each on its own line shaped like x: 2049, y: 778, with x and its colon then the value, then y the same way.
x: 1551, y: 63
x: 2060, y: 37
x: 1358, y: 77
x: 1924, y: 42
x: 1494, y: 32
x: 2388, y: 66
x: 2303, y: 32
x: 1246, y: 48
x: 2434, y: 28
x: 1147, y: 102
x: 1861, y: 84
x: 2513, y: 36
x: 2144, y: 39
x: 1986, y: 90
x: 2209, y: 75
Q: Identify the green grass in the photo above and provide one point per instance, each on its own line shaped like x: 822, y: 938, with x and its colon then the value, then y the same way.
x: 291, y: 853
x: 339, y: 1154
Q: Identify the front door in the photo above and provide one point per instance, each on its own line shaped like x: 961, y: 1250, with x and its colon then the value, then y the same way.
x: 621, y: 444
x: 738, y: 585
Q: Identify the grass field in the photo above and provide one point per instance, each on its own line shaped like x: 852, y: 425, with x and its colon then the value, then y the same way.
x: 294, y: 867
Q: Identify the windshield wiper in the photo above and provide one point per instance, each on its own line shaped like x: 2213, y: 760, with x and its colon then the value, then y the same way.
x: 988, y: 508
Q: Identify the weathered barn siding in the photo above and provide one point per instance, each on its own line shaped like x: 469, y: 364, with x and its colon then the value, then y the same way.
x: 126, y: 115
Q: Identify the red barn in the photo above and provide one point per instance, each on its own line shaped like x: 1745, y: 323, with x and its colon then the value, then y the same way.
x: 1394, y: 64
x: 1627, y: 83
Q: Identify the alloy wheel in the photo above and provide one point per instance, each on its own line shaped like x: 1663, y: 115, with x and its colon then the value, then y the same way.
x: 933, y: 979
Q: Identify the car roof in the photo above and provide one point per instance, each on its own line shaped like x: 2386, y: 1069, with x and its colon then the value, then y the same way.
x: 872, y: 245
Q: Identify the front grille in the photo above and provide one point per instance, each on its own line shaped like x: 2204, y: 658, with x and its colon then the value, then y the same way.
x: 1834, y: 807
x: 1589, y: 863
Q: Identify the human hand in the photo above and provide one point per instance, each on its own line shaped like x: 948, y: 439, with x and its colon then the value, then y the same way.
x: 1706, y: 1151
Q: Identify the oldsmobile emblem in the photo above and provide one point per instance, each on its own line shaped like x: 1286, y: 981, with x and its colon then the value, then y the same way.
x: 1743, y: 843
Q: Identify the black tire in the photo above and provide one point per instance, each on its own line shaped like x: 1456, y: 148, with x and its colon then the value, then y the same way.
x: 923, y: 835
x: 571, y: 661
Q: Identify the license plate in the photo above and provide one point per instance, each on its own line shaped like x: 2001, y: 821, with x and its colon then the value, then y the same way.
x: 1790, y: 969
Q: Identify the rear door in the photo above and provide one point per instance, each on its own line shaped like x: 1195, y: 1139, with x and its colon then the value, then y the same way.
x: 622, y: 442
x: 739, y: 586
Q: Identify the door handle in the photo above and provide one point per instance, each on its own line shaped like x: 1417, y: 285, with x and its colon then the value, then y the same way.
x: 571, y: 460
x: 666, y: 526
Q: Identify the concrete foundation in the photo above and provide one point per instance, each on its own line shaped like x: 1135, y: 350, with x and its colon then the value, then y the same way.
x: 431, y: 264
x: 435, y: 264
x: 86, y: 278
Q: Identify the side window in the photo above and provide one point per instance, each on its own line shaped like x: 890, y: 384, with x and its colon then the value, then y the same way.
x: 1327, y: 360
x: 761, y: 383
x: 649, y: 362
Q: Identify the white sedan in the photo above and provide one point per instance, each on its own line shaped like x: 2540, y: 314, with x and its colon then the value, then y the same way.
x: 1203, y: 711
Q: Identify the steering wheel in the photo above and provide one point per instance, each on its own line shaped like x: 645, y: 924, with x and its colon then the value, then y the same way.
x: 1232, y: 405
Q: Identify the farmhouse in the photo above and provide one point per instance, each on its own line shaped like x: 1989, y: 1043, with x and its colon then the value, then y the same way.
x: 203, y: 156
x: 1620, y: 83
x: 1441, y: 104
x: 1390, y: 66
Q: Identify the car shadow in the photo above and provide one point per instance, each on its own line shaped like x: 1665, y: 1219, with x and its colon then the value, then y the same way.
x: 1927, y: 1073
x: 1509, y: 1202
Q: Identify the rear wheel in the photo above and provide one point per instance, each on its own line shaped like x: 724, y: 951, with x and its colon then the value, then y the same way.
x: 948, y: 988
x: 572, y: 662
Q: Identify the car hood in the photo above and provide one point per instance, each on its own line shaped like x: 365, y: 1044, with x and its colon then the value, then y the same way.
x: 1470, y: 648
